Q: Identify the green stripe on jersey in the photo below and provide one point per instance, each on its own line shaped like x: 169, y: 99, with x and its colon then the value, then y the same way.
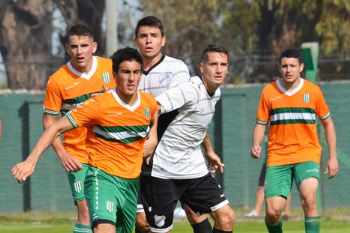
x: 299, y: 121
x: 125, y: 134
x: 292, y: 116
x: 292, y: 110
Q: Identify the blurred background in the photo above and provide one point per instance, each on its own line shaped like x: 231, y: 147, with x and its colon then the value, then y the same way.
x: 254, y: 31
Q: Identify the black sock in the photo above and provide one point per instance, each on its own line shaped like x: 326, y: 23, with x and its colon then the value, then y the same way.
x: 220, y: 231
x: 202, y: 227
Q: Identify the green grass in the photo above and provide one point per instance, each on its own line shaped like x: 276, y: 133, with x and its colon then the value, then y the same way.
x: 43, y: 223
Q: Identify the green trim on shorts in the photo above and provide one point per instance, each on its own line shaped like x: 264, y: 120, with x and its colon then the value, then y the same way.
x: 112, y: 198
x: 77, y: 182
x: 279, y: 179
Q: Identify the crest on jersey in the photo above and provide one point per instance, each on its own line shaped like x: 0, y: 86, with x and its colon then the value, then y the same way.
x: 306, y: 97
x: 147, y: 113
x: 159, y: 220
x: 105, y: 77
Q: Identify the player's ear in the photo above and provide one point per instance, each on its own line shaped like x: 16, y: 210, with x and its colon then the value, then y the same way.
x: 200, y: 67
x: 301, y: 67
x: 94, y: 46
x: 163, y: 40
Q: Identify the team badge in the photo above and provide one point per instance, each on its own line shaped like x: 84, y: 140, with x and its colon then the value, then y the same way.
x: 105, y: 77
x: 306, y: 98
x: 147, y: 113
x: 159, y: 220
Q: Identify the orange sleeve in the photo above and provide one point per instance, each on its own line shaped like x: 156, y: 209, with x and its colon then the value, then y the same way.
x: 53, y: 98
x: 85, y: 115
x: 263, y: 109
x: 322, y: 109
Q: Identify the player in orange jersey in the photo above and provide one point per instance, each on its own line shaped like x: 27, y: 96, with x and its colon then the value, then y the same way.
x: 83, y: 76
x: 290, y: 106
x: 118, y: 122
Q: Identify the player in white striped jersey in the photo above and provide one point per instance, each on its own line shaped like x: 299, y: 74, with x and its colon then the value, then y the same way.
x: 179, y: 170
x: 161, y: 72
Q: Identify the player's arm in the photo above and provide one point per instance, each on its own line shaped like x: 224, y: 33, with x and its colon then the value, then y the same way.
x: 213, y: 158
x: 333, y: 165
x: 152, y: 140
x: 68, y: 162
x: 258, y: 137
x: 177, y: 97
x: 26, y: 168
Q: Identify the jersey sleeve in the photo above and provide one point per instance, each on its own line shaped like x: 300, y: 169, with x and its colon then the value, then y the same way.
x: 53, y: 99
x: 86, y: 114
x: 177, y: 97
x: 322, y: 109
x: 263, y: 109
x: 180, y: 76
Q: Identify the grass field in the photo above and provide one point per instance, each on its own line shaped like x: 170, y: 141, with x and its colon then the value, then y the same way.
x: 43, y: 223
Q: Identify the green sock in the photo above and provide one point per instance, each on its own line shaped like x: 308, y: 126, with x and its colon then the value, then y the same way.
x: 81, y: 228
x: 312, y: 224
x: 274, y: 228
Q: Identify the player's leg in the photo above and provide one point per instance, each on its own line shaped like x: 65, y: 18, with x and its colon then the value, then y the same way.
x: 199, y: 222
x: 277, y: 187
x: 205, y: 195
x: 100, y: 191
x: 159, y: 198
x: 126, y: 195
x: 76, y: 181
x: 259, y: 194
x: 307, y: 178
x: 142, y: 225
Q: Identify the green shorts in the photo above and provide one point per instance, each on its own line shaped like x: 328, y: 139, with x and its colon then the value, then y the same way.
x: 279, y: 179
x: 76, y: 182
x: 112, y: 199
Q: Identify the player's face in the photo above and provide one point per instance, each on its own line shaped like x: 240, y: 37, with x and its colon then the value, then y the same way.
x: 215, y: 69
x: 80, y: 50
x: 128, y: 78
x: 149, y: 41
x: 290, y: 70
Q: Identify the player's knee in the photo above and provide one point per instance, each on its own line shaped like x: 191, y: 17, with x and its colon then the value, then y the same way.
x: 224, y: 218
x: 273, y: 214
x: 142, y: 223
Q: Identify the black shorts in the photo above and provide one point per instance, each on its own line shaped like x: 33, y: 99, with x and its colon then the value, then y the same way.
x: 159, y: 198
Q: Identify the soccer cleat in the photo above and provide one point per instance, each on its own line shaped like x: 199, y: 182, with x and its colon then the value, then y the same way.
x: 252, y: 214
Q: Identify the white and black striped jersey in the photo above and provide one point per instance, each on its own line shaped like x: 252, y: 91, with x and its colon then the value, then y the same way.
x: 167, y: 73
x: 178, y: 154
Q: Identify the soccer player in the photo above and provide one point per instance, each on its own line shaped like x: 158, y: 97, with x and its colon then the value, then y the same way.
x: 290, y: 105
x: 162, y: 72
x: 118, y: 122
x: 83, y: 76
x: 179, y: 169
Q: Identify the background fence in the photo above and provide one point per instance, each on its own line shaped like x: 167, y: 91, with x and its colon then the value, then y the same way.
x: 231, y: 130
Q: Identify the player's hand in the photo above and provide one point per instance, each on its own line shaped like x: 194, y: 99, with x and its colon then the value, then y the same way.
x: 255, y: 151
x: 215, y: 162
x: 68, y: 162
x: 332, y: 167
x: 21, y: 171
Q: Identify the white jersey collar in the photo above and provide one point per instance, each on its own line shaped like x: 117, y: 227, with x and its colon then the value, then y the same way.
x: 130, y: 107
x: 291, y: 91
x: 84, y: 75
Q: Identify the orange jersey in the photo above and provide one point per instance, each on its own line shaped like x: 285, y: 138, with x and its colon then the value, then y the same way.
x: 67, y: 88
x: 117, y: 131
x: 291, y: 116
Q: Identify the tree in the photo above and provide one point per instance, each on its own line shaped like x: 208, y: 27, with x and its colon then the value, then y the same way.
x: 25, y: 36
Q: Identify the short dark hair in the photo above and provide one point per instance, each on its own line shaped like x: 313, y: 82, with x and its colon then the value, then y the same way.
x: 125, y: 54
x: 292, y: 53
x: 213, y: 48
x: 78, y: 30
x: 150, y: 21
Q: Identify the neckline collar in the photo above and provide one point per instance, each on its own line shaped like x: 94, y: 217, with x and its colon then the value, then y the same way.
x: 84, y: 75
